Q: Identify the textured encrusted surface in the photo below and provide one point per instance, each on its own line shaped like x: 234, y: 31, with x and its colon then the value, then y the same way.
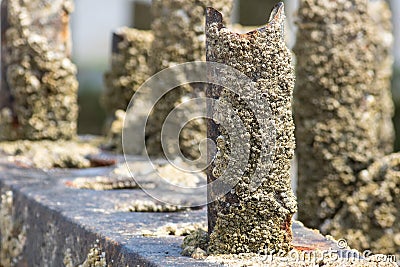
x: 322, y: 161
x: 148, y: 206
x: 195, y: 241
x: 12, y: 231
x: 252, y: 221
x: 343, y: 111
x: 369, y: 218
x: 178, y: 28
x: 195, y: 245
x: 382, y: 38
x: 40, y: 83
x: 46, y: 154
x: 129, y: 67
x: 114, y: 136
x: 95, y: 258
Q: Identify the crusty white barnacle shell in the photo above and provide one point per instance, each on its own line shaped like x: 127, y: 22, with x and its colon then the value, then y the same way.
x: 216, y: 172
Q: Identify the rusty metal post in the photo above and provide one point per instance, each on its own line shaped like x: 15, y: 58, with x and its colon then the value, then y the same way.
x: 4, y: 92
x: 38, y: 97
x: 212, y: 92
x: 252, y: 220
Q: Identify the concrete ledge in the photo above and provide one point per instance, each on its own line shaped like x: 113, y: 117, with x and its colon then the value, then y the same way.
x: 51, y: 224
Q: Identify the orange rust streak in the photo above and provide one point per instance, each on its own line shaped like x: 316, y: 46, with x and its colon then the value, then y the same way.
x: 287, y: 225
x: 65, y: 31
x: 302, y: 248
x: 65, y: 28
x: 69, y: 184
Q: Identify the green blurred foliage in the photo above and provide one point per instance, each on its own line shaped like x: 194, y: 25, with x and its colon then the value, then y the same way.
x: 91, y: 115
x: 255, y: 12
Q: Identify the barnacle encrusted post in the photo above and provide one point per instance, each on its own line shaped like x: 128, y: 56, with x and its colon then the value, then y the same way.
x: 355, y: 199
x: 129, y: 67
x: 179, y: 37
x: 244, y: 220
x: 38, y: 97
x: 342, y: 102
x: 129, y: 70
x: 178, y: 28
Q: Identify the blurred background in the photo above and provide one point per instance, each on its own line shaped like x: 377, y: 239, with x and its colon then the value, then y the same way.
x: 94, y: 20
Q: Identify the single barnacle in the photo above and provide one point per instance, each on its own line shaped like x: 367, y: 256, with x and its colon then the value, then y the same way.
x: 217, y: 172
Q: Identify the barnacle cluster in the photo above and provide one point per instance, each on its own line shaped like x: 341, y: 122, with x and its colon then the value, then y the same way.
x: 95, y: 258
x: 221, y: 159
x: 195, y: 244
x: 176, y: 229
x: 382, y: 38
x: 148, y: 206
x: 368, y: 218
x: 103, y: 183
x: 12, y: 231
x: 40, y: 78
x: 343, y: 113
x: 46, y: 154
x: 258, y: 220
x: 178, y: 29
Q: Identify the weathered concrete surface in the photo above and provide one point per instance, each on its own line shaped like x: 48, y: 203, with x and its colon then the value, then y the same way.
x: 53, y: 223
x: 57, y: 218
